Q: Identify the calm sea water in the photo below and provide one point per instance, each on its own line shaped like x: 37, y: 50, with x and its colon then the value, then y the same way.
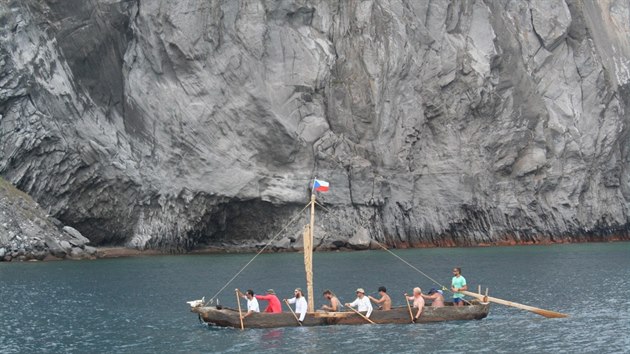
x: 137, y: 305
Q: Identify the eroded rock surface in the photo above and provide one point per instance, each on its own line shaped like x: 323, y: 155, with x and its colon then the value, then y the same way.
x: 28, y: 233
x: 172, y: 124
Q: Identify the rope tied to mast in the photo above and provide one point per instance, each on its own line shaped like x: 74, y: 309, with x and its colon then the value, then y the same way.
x: 444, y: 288
x: 295, y: 217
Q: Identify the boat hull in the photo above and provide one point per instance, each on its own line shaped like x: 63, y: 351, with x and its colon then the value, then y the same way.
x: 226, y: 317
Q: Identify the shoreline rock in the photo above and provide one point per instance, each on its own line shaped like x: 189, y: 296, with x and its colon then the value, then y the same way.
x: 28, y: 233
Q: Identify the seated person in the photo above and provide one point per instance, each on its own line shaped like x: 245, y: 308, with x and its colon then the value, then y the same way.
x: 335, y: 305
x: 385, y: 302
x: 436, y: 297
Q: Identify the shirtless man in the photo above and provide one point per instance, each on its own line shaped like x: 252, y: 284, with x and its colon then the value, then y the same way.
x: 436, y: 297
x: 418, y: 301
x: 335, y: 305
x: 384, y: 303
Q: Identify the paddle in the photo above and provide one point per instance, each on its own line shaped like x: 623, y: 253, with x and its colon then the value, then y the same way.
x: 240, y: 313
x: 360, y: 314
x: 409, y: 308
x: 290, y: 309
x: 536, y: 310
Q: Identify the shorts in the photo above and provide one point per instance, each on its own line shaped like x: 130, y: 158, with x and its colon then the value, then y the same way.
x: 457, y: 300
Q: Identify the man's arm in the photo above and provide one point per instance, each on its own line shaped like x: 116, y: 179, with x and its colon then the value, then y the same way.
x: 248, y: 313
x: 375, y: 300
x: 353, y: 303
x: 369, y: 311
x: 419, y: 312
x: 430, y: 297
x: 464, y: 288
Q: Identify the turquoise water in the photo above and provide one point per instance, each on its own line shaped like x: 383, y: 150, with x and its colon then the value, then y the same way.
x: 137, y: 305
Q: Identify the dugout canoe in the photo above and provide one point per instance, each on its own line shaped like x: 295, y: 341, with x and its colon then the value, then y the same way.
x: 227, y: 317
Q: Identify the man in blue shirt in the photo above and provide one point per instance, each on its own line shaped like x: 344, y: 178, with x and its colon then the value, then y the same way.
x: 458, y: 283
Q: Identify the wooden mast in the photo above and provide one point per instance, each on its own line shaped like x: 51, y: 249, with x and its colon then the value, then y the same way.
x: 308, y: 256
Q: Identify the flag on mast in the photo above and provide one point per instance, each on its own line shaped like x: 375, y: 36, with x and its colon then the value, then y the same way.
x: 320, y: 186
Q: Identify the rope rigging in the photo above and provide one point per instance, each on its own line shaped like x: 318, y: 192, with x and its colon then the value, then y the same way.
x: 442, y: 286
x: 295, y: 217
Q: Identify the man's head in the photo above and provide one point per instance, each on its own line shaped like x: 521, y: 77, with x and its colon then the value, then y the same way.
x: 249, y: 294
x: 298, y: 293
x: 271, y: 292
x: 382, y: 290
x: 360, y: 293
x: 432, y: 291
x: 417, y: 291
x: 328, y: 294
x: 457, y: 271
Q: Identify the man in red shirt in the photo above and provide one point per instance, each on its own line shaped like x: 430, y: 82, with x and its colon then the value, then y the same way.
x: 274, y: 303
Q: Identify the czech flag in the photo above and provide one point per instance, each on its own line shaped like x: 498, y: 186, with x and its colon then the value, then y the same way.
x: 320, y: 186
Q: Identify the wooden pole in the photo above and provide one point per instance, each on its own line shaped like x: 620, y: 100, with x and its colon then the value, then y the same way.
x: 536, y: 310
x: 290, y: 309
x: 479, y: 289
x: 360, y: 314
x: 308, y: 257
x: 240, y: 313
x: 409, y: 308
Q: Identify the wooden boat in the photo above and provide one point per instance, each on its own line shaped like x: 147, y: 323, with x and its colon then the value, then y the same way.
x: 227, y: 317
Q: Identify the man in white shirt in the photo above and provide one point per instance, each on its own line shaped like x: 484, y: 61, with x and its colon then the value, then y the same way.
x: 252, y: 303
x: 300, y: 304
x: 362, y: 302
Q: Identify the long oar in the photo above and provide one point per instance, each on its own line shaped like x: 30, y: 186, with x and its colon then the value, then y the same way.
x: 360, y: 314
x: 409, y: 308
x: 290, y: 309
x: 240, y: 313
x: 536, y: 310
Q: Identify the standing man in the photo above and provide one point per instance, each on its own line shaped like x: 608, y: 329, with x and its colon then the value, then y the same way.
x: 418, y: 301
x: 335, y: 305
x: 362, y: 302
x: 274, y: 305
x: 458, y: 283
x: 385, y: 302
x: 300, y: 304
x: 252, y: 303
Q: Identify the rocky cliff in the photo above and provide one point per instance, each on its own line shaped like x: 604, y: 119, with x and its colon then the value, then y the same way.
x: 27, y: 232
x: 173, y: 124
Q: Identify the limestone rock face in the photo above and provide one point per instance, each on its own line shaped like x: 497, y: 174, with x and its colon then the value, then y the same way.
x: 172, y: 124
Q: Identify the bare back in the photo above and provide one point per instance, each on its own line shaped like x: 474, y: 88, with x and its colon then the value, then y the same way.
x: 387, y: 302
x: 335, y: 304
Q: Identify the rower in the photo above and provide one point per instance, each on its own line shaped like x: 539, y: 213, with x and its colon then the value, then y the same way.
x: 385, y: 302
x: 335, y: 305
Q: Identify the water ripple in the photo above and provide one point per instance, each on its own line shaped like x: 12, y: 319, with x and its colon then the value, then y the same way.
x: 137, y: 305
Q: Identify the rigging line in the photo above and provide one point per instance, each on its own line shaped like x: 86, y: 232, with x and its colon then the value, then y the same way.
x: 401, y: 259
x: 444, y: 288
x: 409, y: 264
x: 257, y: 254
